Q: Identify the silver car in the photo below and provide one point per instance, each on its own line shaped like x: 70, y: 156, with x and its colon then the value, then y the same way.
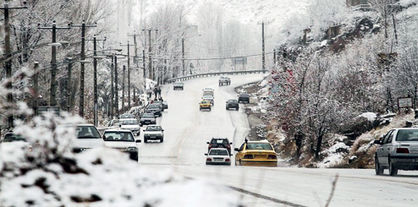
x: 397, y: 150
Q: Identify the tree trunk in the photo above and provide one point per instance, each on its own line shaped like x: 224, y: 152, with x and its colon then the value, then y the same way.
x: 318, y: 146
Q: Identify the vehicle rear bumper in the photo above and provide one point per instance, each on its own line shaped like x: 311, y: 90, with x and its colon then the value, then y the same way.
x: 218, y: 163
x: 405, y: 162
x: 265, y: 163
x: 153, y: 137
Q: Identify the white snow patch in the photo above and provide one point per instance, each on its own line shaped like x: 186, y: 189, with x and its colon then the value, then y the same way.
x: 369, y: 116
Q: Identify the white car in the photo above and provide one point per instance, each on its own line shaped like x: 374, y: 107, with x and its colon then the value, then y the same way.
x: 208, y: 91
x: 153, y: 132
x: 130, y: 124
x: 87, y: 137
x: 218, y: 156
x: 122, y: 140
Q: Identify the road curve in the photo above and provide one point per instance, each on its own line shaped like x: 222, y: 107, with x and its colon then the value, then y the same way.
x: 187, y: 130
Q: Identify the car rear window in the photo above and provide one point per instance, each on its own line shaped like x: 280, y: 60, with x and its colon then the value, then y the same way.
x: 219, y: 141
x: 87, y: 132
x: 407, y: 135
x: 259, y: 146
x: 153, y: 128
x: 118, y: 136
x: 218, y: 152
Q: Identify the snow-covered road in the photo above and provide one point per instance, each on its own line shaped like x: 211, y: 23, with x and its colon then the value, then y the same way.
x: 187, y: 130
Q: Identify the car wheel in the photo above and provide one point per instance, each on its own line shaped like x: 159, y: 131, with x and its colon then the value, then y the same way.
x: 162, y: 140
x: 145, y: 140
x: 392, y: 169
x: 379, y: 169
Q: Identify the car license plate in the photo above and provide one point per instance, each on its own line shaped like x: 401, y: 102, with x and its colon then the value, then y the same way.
x: 218, y: 159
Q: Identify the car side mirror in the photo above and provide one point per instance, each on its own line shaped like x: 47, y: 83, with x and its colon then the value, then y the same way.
x: 162, y: 130
x: 120, y: 125
x: 206, y: 154
x: 378, y: 141
x: 207, y: 142
x: 236, y: 149
x: 230, y: 143
x: 138, y: 141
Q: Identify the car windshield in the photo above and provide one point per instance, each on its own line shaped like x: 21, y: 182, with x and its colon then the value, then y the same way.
x: 87, y: 132
x: 178, y: 84
x: 407, y: 135
x: 153, y: 128
x: 259, y: 146
x: 204, y: 102
x: 153, y: 106
x: 118, y: 136
x: 13, y: 138
x: 218, y: 152
x: 207, y: 97
x: 148, y: 115
x: 130, y: 122
x: 124, y: 116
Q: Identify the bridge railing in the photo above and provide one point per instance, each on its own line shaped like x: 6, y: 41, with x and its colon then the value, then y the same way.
x: 209, y: 74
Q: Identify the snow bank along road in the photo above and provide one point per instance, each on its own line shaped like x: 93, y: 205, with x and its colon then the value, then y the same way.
x: 187, y: 130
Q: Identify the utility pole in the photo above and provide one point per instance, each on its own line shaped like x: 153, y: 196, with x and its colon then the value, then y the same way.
x: 151, y: 72
x: 116, y: 88
x: 35, y: 87
x: 123, y: 87
x: 144, y: 70
x: 112, y: 88
x: 129, y: 72
x: 96, y: 121
x: 68, y: 92
x: 136, y: 49
x: 82, y: 62
x: 53, y: 88
x: 274, y: 57
x: 7, y: 52
x: 263, y: 48
x: 182, y: 56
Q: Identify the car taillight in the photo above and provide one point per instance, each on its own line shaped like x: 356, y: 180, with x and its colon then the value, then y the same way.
x: 248, y: 156
x: 402, y: 150
x: 272, y: 157
x: 208, y: 159
x: 227, y: 160
x: 228, y: 146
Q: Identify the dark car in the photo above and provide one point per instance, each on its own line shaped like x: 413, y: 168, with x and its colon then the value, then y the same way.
x: 219, y: 143
x: 163, y: 104
x: 154, y: 108
x: 178, y: 86
x: 11, y: 137
x: 232, y: 104
x: 244, y: 98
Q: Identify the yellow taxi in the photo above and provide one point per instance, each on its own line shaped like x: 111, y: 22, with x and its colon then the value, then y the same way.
x: 204, y: 104
x: 256, y: 153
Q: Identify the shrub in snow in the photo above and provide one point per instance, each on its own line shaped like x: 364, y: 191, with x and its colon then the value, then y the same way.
x: 47, y: 173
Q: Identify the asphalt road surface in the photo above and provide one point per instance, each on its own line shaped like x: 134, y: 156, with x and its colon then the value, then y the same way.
x: 187, y: 129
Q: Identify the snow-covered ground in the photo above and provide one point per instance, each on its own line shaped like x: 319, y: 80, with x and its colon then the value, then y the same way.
x: 188, y: 129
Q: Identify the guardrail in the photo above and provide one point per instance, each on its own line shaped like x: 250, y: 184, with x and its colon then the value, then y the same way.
x: 201, y: 75
x: 362, y: 7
